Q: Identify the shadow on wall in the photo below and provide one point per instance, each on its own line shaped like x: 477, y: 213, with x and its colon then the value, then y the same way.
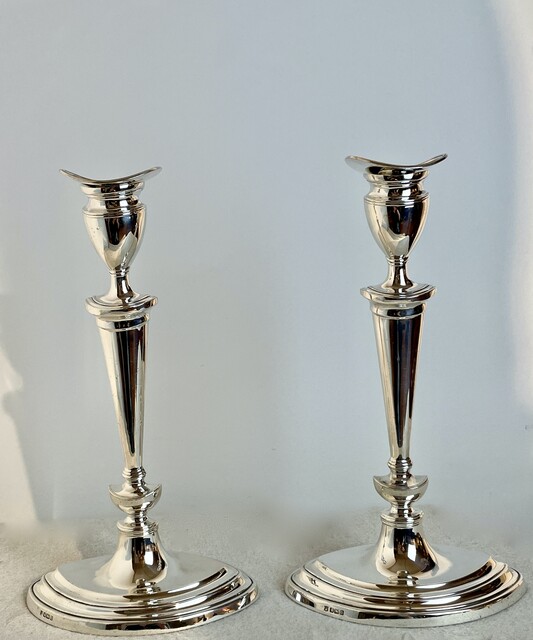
x: 40, y: 336
x: 29, y: 450
x: 19, y: 504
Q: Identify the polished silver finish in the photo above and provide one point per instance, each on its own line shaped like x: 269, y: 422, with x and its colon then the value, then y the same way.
x: 402, y: 580
x: 141, y: 588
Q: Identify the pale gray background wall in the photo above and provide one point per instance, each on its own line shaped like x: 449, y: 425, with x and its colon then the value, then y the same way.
x: 263, y: 384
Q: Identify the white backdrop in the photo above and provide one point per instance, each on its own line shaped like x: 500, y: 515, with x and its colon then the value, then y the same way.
x: 263, y: 385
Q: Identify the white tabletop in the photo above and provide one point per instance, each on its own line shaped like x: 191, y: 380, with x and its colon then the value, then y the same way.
x: 268, y: 548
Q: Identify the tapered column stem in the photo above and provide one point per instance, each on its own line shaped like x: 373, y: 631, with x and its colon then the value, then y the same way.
x: 398, y: 330
x: 398, y: 339
x: 124, y: 345
x: 123, y: 327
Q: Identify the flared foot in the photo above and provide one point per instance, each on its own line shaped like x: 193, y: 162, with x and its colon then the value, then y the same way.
x: 348, y: 584
x: 80, y: 596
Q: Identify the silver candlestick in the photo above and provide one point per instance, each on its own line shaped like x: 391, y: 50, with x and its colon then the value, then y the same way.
x: 141, y: 588
x: 401, y: 580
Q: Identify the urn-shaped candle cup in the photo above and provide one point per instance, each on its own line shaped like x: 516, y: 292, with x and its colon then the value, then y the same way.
x: 396, y: 208
x: 115, y: 217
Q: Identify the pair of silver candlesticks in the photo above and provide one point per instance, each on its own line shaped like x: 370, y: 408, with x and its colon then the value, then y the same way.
x: 400, y: 581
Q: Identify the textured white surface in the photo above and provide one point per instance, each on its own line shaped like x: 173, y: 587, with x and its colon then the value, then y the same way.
x: 268, y: 550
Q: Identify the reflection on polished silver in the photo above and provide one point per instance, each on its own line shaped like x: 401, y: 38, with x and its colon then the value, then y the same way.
x: 141, y: 588
x: 401, y: 580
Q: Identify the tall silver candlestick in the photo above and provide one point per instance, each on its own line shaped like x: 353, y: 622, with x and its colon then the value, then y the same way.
x: 402, y: 580
x: 141, y: 588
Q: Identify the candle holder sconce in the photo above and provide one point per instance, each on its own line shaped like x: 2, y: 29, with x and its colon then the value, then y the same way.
x: 141, y: 588
x: 402, y: 580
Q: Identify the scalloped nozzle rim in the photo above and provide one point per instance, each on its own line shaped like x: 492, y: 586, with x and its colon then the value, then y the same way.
x: 127, y: 181
x: 363, y: 164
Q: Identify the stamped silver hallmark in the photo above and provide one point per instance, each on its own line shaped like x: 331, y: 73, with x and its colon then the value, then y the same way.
x: 334, y: 611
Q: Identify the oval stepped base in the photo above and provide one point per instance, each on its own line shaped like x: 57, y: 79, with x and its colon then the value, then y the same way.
x: 196, y: 590
x: 346, y: 584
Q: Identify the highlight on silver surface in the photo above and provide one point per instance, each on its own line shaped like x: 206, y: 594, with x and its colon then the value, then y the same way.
x: 141, y: 588
x: 401, y: 580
